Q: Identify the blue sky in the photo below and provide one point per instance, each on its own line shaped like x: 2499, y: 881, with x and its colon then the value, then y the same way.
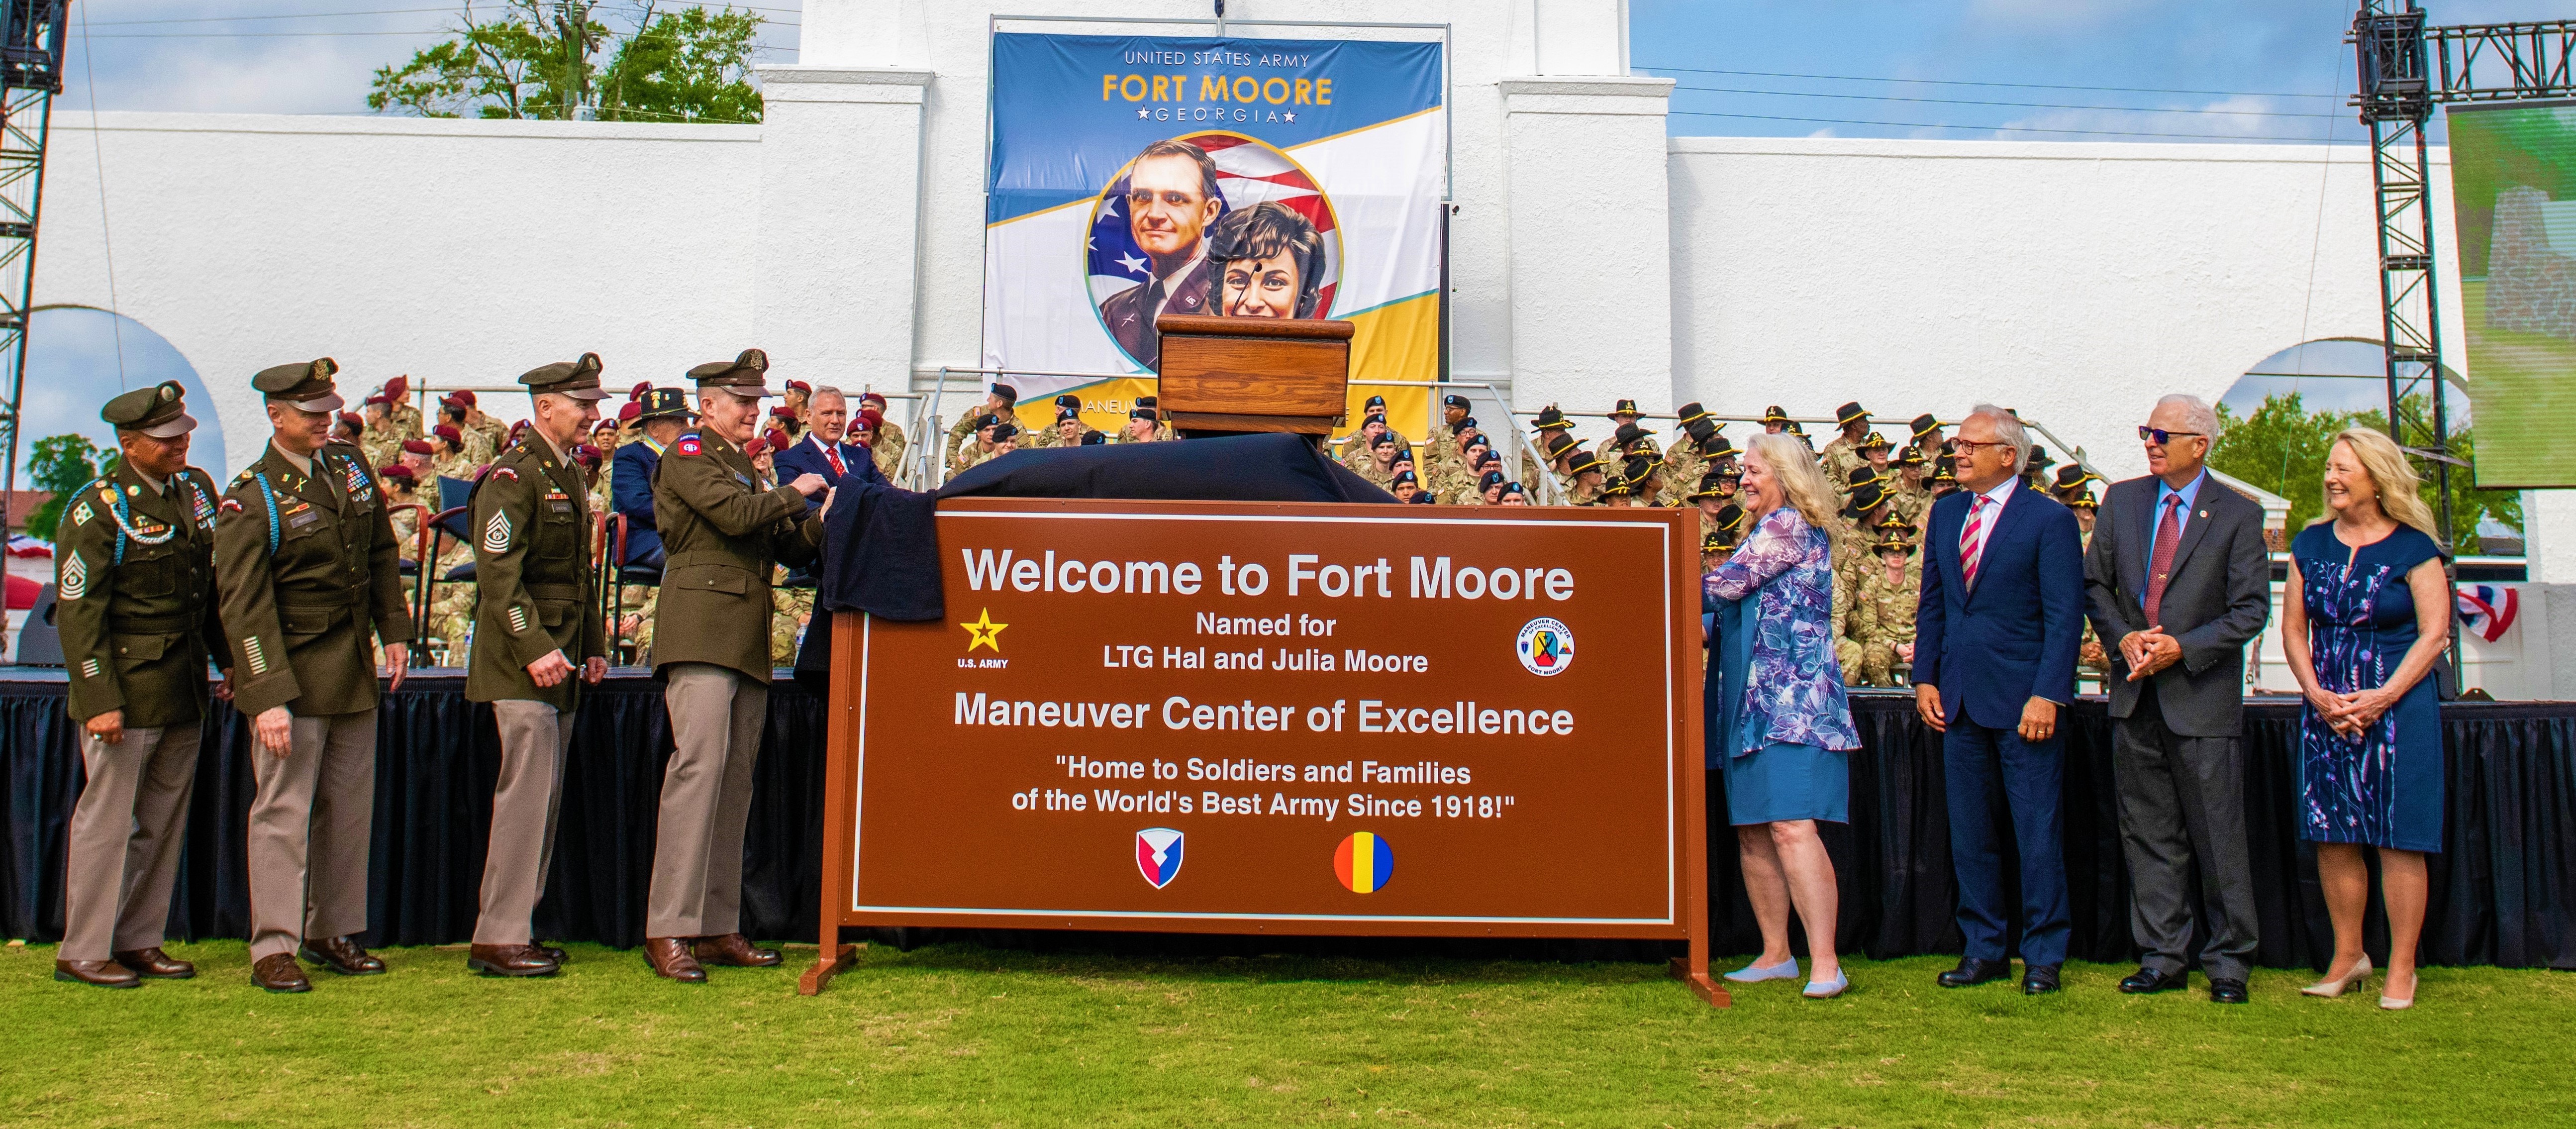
x: 2215, y: 69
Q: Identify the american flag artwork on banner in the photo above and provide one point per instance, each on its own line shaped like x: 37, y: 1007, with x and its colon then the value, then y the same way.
x: 1248, y: 172
x: 2488, y: 610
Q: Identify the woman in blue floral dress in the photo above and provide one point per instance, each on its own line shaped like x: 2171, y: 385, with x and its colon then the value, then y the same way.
x: 1783, y: 731
x: 2366, y: 611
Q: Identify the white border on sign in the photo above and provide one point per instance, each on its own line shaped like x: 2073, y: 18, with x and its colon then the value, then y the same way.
x: 1672, y: 909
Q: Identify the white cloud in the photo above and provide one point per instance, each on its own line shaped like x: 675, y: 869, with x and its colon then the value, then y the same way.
x: 2233, y: 117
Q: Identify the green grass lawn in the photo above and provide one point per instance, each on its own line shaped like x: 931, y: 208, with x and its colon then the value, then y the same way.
x: 955, y: 1035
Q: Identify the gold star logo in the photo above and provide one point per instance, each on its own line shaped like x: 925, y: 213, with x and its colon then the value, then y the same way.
x: 986, y: 632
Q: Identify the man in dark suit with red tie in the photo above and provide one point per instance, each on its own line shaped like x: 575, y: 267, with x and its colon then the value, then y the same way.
x: 1995, y: 637
x: 821, y: 451
x: 2178, y: 581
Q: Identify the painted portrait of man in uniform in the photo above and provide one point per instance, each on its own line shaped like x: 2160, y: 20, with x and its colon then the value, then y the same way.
x: 1273, y: 263
x: 1171, y: 201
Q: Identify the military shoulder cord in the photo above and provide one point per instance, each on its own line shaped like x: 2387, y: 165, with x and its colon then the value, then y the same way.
x: 125, y: 528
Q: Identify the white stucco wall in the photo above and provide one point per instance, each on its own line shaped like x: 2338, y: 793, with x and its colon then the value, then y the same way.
x: 464, y: 252
x: 2075, y: 282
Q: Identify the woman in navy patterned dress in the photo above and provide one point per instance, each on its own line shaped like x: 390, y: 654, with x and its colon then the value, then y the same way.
x: 2366, y: 611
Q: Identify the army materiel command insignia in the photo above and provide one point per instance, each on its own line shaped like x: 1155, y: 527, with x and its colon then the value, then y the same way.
x: 75, y: 577
x: 1545, y: 646
x: 496, y: 534
x: 1158, y: 855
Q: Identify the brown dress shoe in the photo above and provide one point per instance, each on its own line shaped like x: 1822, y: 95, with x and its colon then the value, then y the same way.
x: 552, y: 953
x: 154, y: 964
x: 102, y: 973
x: 670, y: 959
x: 508, y: 960
x: 736, y: 950
x: 341, y: 955
x: 278, y: 972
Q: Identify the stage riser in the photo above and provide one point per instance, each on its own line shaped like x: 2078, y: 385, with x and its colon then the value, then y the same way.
x: 2504, y: 892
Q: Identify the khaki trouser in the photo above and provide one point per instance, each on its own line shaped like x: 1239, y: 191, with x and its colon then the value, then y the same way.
x: 534, y: 741
x: 124, y: 851
x: 716, y: 720
x: 309, y: 825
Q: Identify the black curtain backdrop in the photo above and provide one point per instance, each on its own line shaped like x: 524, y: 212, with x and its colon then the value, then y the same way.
x: 2503, y: 891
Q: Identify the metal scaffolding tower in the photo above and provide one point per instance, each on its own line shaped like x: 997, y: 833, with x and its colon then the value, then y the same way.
x: 31, y: 73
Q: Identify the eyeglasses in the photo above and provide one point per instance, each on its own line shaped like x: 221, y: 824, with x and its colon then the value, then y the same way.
x: 1969, y: 446
x: 2160, y: 436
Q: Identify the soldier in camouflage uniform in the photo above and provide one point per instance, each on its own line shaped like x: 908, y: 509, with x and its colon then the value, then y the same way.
x: 1359, y: 448
x: 136, y: 611
x: 1379, y: 468
x: 887, y: 447
x: 1843, y: 454
x: 1911, y: 495
x: 983, y: 442
x: 2089, y: 652
x: 999, y: 401
x: 1883, y: 610
x: 1444, y: 446
x: 1857, y: 528
x: 1645, y: 474
x: 1586, y: 484
x: 1924, y: 436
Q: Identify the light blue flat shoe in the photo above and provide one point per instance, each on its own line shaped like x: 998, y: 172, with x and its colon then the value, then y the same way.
x: 1828, y: 989
x: 1755, y: 974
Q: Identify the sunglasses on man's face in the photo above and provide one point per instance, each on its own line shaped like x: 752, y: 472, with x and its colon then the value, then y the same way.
x: 2160, y: 436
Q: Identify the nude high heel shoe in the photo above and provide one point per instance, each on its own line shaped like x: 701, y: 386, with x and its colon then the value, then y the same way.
x: 2329, y: 989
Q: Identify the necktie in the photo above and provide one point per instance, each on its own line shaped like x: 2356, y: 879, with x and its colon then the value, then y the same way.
x: 2160, y: 566
x: 837, y: 469
x: 1972, y: 539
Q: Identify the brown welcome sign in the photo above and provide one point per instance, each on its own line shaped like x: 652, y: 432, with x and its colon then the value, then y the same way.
x: 1297, y: 719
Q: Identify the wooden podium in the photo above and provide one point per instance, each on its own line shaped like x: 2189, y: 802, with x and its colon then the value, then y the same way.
x: 1233, y: 375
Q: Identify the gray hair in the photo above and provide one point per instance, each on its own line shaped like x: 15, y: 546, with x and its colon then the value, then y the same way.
x: 2008, y: 429
x: 834, y: 391
x: 2196, y: 413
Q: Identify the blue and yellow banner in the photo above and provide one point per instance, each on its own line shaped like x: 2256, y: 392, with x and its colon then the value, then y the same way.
x: 1314, y: 168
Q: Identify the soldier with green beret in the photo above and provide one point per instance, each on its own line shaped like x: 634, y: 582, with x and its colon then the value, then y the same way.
x: 136, y: 609
x: 725, y: 535
x: 305, y: 560
x: 536, y: 626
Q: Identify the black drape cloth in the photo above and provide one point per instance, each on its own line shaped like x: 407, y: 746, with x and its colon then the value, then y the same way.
x: 2503, y: 890
x: 880, y: 553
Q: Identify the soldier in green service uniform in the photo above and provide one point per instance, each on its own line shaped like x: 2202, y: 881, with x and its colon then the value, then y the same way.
x: 305, y: 560
x: 725, y: 536
x: 536, y: 626
x: 135, y: 605
x: 1883, y: 610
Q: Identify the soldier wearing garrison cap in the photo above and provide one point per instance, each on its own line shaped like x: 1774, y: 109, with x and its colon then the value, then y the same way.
x: 724, y: 536
x: 136, y: 609
x: 537, y: 638
x: 305, y: 560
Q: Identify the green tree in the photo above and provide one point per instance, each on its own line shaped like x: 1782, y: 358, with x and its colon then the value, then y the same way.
x: 561, y: 60
x: 2282, y: 448
x: 61, y: 464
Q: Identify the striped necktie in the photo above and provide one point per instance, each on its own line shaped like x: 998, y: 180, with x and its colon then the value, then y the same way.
x: 1972, y: 539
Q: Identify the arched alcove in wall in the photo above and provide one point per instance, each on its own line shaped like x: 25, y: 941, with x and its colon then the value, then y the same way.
x: 2337, y: 374
x: 79, y: 357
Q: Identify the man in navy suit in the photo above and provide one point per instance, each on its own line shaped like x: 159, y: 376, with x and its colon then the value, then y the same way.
x: 821, y: 451
x: 1994, y: 658
x: 630, y: 475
